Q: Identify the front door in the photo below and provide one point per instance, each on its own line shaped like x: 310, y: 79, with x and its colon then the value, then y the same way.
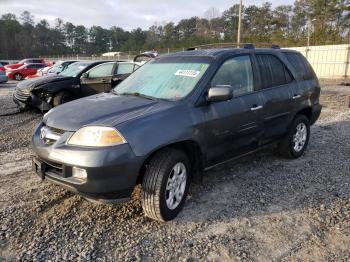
x: 233, y: 127
x: 97, y: 80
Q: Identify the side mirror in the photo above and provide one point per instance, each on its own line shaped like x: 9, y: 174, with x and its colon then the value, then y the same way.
x: 85, y: 75
x: 220, y: 93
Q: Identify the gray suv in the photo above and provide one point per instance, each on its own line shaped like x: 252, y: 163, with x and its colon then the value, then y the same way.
x: 173, y: 118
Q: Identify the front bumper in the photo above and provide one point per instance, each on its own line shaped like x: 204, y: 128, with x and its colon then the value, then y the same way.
x: 25, y: 99
x: 111, y: 172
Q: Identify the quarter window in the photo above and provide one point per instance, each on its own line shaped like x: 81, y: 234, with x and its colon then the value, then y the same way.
x: 101, y: 70
x: 301, y: 65
x: 236, y: 72
x: 272, y: 71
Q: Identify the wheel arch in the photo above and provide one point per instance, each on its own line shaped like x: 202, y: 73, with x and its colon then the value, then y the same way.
x: 190, y: 148
x: 306, y: 111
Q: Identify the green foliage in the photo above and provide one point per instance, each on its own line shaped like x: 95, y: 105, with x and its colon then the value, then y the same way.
x: 327, y: 21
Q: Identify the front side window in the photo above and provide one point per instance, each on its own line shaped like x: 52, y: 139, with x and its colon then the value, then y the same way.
x: 164, y: 79
x: 236, y: 72
x: 125, y: 68
x: 272, y: 71
x: 101, y: 70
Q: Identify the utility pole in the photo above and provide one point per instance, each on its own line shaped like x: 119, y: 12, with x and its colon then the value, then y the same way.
x: 308, y: 32
x: 239, y: 24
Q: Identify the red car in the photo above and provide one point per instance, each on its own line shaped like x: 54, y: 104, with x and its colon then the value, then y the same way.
x: 24, y: 62
x: 23, y: 71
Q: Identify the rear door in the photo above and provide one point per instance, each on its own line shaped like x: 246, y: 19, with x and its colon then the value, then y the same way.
x: 234, y: 127
x: 98, y: 79
x: 277, y: 90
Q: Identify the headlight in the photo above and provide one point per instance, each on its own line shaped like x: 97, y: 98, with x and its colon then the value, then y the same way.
x: 97, y: 136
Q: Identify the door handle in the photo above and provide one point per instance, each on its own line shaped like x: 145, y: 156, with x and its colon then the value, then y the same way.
x: 296, y: 96
x: 104, y: 80
x: 254, y: 108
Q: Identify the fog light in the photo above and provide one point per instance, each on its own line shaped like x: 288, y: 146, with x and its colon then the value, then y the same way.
x: 79, y: 173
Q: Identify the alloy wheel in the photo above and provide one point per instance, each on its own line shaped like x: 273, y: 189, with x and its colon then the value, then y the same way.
x: 176, y: 185
x: 299, y: 138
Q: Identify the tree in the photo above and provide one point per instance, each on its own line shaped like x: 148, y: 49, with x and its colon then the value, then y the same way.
x: 328, y: 22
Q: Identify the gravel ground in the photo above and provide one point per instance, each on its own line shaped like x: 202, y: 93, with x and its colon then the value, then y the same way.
x: 260, y: 208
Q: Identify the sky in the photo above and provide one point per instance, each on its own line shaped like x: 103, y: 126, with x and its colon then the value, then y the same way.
x: 128, y: 14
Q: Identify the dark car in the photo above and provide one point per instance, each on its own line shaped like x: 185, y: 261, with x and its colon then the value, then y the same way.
x: 173, y: 118
x: 4, y: 62
x: 77, y: 80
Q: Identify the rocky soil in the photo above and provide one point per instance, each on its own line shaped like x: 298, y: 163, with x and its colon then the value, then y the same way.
x: 260, y: 208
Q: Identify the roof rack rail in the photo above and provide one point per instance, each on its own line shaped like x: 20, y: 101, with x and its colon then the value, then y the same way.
x: 248, y: 46
x: 275, y: 47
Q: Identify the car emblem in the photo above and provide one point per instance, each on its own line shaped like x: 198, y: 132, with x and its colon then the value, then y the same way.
x: 42, y: 133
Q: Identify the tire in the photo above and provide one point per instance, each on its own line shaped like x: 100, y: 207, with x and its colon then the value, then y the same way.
x: 161, y: 180
x: 61, y: 98
x: 294, y: 144
x: 18, y: 77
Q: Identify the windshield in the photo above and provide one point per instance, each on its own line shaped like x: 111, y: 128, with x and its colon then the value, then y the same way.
x: 57, y: 67
x: 169, y: 80
x: 74, y: 69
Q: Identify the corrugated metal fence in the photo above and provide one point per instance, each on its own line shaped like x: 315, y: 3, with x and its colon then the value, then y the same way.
x: 328, y: 61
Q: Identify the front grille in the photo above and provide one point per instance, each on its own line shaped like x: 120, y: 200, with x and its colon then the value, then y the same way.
x: 50, y: 135
x: 56, y: 130
x: 22, y: 94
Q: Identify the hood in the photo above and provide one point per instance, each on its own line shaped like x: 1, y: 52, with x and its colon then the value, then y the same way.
x: 35, y: 82
x: 105, y: 109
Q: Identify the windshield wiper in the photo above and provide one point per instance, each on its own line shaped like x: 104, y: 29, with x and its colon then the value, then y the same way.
x: 135, y: 94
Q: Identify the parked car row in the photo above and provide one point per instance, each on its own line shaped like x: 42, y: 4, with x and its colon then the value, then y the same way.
x: 70, y: 80
x: 177, y: 115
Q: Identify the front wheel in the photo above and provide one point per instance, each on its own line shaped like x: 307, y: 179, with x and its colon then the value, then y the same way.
x: 296, y: 141
x: 18, y: 77
x: 61, y: 98
x: 165, y: 185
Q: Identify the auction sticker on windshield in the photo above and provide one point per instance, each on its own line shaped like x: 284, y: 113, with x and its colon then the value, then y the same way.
x: 188, y: 73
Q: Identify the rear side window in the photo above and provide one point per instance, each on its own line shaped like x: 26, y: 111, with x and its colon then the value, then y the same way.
x: 301, y: 65
x: 236, y: 72
x: 273, y: 72
x: 36, y: 61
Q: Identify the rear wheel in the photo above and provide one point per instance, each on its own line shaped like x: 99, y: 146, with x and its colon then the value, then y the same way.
x: 296, y: 141
x: 18, y: 77
x: 62, y: 97
x: 165, y: 185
